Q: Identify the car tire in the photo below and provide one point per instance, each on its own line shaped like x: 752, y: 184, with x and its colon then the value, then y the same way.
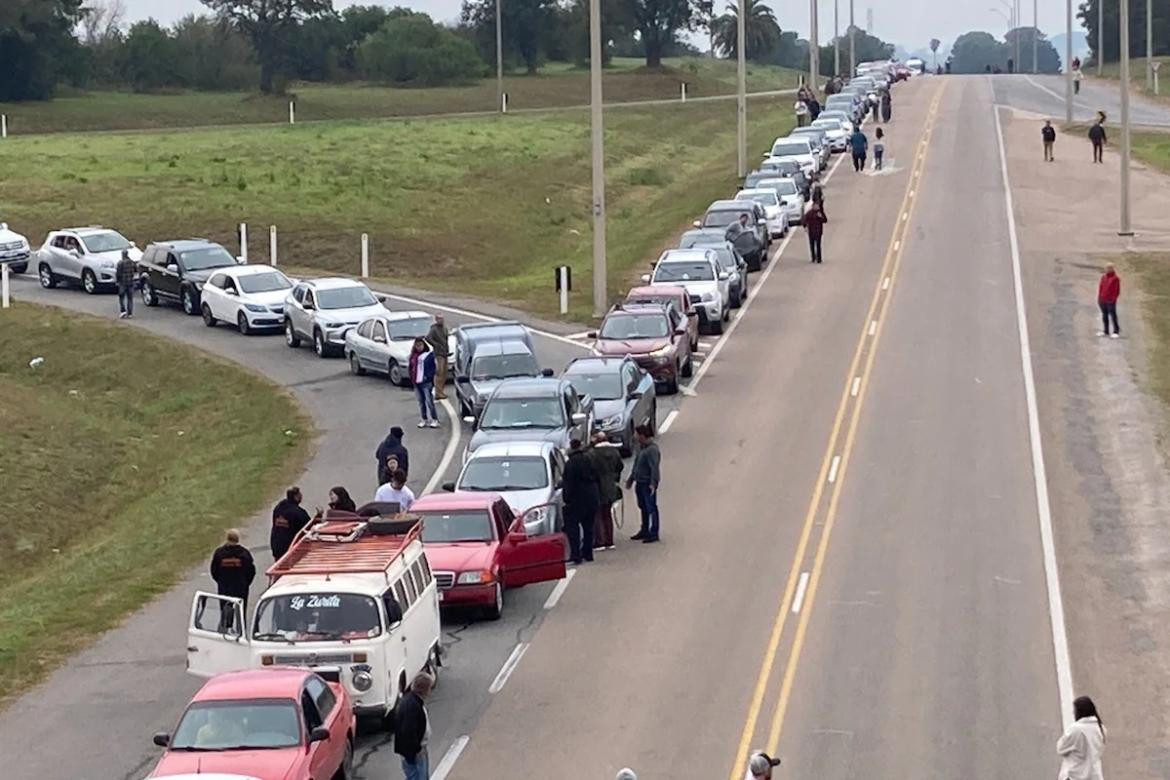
x: 727, y: 314
x: 717, y: 327
x: 208, y: 317
x: 394, y: 372
x: 320, y: 348
x: 187, y: 299
x: 47, y: 277
x: 670, y: 387
x: 242, y: 324
x: 355, y: 365
x: 345, y: 771
x: 688, y: 369
x: 18, y: 268
x: 290, y: 335
x: 149, y: 296
x: 433, y: 665
x: 736, y: 300
x: 496, y: 610
x: 89, y: 282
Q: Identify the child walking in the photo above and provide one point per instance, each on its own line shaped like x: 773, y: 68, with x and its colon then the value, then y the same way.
x: 879, y: 149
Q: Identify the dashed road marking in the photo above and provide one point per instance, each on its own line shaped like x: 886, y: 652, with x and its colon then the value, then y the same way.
x: 508, y: 667
x: 798, y: 601
x: 833, y: 469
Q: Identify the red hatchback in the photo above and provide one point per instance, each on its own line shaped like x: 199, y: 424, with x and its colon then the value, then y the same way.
x: 273, y: 724
x: 477, y: 547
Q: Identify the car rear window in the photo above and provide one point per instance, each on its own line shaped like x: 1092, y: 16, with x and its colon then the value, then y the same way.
x: 651, y: 325
x: 788, y: 150
x: 697, y: 271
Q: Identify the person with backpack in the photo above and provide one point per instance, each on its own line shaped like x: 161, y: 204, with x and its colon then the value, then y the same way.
x: 1048, y: 135
x: 1097, y: 138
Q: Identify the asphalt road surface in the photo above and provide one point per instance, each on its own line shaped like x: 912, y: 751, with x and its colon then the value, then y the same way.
x: 1045, y: 95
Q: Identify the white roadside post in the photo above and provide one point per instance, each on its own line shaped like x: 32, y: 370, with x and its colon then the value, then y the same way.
x: 292, y: 113
x: 272, y: 245
x: 4, y: 285
x: 365, y: 255
x: 683, y: 92
x: 564, y: 279
x: 3, y: 125
x: 244, y: 242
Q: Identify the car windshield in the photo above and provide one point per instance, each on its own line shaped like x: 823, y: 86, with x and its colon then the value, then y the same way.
x: 265, y: 282
x: 789, y: 150
x: 317, y: 617
x: 345, y: 297
x: 697, y: 271
x: 690, y: 240
x: 723, y: 218
x: 517, y: 413
x: 472, y: 525
x: 504, y: 366
x: 409, y: 329
x: 207, y: 257
x: 781, y: 186
x: 627, y: 325
x: 238, y: 724
x: 763, y: 198
x: 828, y: 124
x: 603, y: 387
x: 500, y: 474
x: 110, y: 241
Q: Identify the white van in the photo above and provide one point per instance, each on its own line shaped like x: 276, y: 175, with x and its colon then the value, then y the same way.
x: 352, y: 593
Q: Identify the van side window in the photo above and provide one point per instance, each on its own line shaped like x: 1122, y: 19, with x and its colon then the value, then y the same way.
x: 400, y: 592
x: 416, y: 575
x: 408, y: 583
x: 425, y: 565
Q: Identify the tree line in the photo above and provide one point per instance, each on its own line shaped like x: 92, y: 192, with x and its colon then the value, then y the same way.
x: 1110, y: 38
x: 981, y: 52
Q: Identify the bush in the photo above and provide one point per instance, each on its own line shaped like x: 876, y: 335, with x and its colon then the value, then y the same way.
x: 414, y: 50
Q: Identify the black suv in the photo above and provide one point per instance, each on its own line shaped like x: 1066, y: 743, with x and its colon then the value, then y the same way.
x: 176, y: 271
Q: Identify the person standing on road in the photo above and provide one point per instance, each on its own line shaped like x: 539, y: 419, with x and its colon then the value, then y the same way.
x: 582, y: 494
x: 814, y: 107
x: 607, y: 461
x: 422, y: 375
x: 645, y: 477
x: 1080, y: 747
x: 392, y: 447
x: 879, y: 149
x: 288, y: 518
x: 439, y: 344
x: 887, y: 106
x: 858, y: 144
x: 412, y: 728
x: 1076, y: 73
x: 233, y: 570
x: 801, y: 109
x: 396, y: 492
x: 1108, y: 291
x: 1097, y: 138
x: 1048, y: 134
x: 760, y: 765
x: 814, y: 225
x: 125, y: 274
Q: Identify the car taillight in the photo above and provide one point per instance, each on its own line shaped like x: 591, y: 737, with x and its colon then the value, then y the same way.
x: 266, y: 660
x: 359, y: 658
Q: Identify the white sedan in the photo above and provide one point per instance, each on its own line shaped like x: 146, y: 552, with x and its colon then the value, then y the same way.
x: 382, y: 344
x: 251, y: 296
x: 526, y: 474
x: 774, y: 211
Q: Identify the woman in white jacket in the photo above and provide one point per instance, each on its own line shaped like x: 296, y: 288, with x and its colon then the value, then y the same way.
x: 1081, y: 747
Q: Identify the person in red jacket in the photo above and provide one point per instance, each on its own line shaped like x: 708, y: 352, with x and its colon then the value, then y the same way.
x: 814, y: 225
x: 1108, y: 291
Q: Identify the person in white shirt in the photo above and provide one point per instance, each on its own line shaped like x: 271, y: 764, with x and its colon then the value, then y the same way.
x: 395, y: 491
x: 1081, y: 747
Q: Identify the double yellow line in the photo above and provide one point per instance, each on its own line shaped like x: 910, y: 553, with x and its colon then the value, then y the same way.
x: 833, y: 466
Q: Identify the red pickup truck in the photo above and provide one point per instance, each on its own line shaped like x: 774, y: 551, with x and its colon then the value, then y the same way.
x: 477, y: 547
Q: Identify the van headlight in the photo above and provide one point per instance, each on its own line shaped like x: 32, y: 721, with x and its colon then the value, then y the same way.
x: 363, y: 681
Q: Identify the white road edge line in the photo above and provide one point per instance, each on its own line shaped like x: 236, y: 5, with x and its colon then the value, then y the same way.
x: 1043, y: 88
x: 559, y: 590
x: 872, y: 327
x: 449, y: 758
x: 886, y: 281
x: 1064, y: 682
x: 833, y: 468
x: 798, y: 601
x: 856, y: 386
x: 669, y: 421
x: 897, y: 245
x: 452, y: 446
x: 508, y: 667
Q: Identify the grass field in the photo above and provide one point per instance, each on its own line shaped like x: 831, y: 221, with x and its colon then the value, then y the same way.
x: 560, y: 85
x: 1137, y: 75
x: 486, y: 206
x: 1152, y: 272
x: 119, y: 469
x: 1152, y: 149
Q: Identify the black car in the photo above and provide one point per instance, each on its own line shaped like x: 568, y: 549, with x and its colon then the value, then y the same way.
x: 175, y: 271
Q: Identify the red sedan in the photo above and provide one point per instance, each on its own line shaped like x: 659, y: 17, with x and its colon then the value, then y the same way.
x: 272, y: 724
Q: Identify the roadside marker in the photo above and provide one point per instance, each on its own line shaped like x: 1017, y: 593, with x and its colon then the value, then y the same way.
x: 4, y: 286
x: 508, y: 667
x: 272, y: 245
x: 798, y: 602
x: 833, y: 469
x: 365, y: 255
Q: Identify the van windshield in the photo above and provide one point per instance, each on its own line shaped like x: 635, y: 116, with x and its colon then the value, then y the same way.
x: 317, y: 617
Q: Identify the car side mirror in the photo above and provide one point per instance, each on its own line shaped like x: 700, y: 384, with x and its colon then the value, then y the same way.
x: 308, y: 306
x: 723, y: 276
x: 645, y: 278
x: 162, y: 739
x: 380, y: 339
x: 680, y: 331
x: 697, y: 223
x: 172, y: 268
x: 591, y: 334
x: 229, y: 291
x: 761, y: 222
x: 469, y: 419
x: 75, y: 252
x: 242, y: 260
x: 3, y: 225
x: 449, y: 487
x: 516, y: 537
x: 381, y: 297
x: 634, y: 395
x: 546, y: 372
x: 578, y: 418
x: 319, y: 734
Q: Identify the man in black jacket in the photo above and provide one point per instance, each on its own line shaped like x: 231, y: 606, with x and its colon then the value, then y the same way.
x: 412, y: 728
x: 233, y: 570
x: 1097, y: 138
x: 288, y: 518
x: 391, y: 446
x: 581, y: 488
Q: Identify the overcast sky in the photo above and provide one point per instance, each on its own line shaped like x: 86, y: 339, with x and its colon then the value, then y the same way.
x: 910, y: 23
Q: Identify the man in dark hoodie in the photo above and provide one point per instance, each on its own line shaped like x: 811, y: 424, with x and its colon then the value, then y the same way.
x: 288, y: 518
x: 581, y: 489
x: 412, y: 728
x: 1097, y: 138
x: 392, y: 446
x: 233, y: 570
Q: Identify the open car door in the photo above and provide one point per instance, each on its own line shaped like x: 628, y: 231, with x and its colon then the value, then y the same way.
x: 530, y: 558
x: 216, y: 638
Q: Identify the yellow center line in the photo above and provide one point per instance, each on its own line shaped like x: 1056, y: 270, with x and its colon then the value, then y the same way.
x: 769, y: 660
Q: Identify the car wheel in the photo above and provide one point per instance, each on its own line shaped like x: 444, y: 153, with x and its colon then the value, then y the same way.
x: 717, y: 327
x: 319, y: 346
x: 434, y: 663
x: 727, y: 314
x: 345, y: 771
x: 394, y: 371
x: 149, y: 296
x: 242, y: 324
x: 208, y: 317
x: 355, y: 365
x: 688, y: 369
x: 290, y: 335
x: 670, y: 387
x: 736, y: 300
x: 496, y: 610
x: 190, y: 307
x: 18, y: 268
x: 89, y: 282
x: 47, y: 277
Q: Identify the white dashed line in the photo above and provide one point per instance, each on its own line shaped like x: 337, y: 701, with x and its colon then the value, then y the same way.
x: 798, y: 602
x: 886, y: 283
x: 449, y: 758
x: 508, y: 667
x: 833, y: 469
x: 905, y: 215
x: 856, y: 386
x: 911, y: 193
x: 669, y: 421
x: 872, y: 327
x: 560, y: 589
x: 897, y: 245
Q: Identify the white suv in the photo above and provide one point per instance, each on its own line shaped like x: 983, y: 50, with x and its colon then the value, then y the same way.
x: 13, y: 249
x: 698, y: 272
x: 87, y: 256
x: 322, y: 310
x: 798, y: 149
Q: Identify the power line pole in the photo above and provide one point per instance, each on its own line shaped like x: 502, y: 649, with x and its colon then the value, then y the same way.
x: 1126, y: 229
x: 1100, y: 37
x: 1149, y: 44
x: 600, y: 291
x: 741, y: 92
x: 1035, y: 36
x: 836, y: 38
x: 499, y: 59
x: 814, y: 49
x: 1068, y: 71
x: 852, y: 43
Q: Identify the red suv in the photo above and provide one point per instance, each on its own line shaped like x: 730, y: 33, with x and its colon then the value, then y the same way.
x: 670, y: 295
x: 655, y: 335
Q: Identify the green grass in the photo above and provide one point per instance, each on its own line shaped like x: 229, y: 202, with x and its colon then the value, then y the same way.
x: 1152, y: 272
x: 122, y: 460
x: 1152, y: 149
x: 485, y: 206
x: 1137, y: 75
x: 560, y: 84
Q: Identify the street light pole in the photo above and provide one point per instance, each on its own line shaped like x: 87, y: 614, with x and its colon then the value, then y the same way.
x: 600, y: 291
x: 1126, y: 229
x: 499, y: 59
x: 741, y: 92
x: 814, y: 48
x: 1100, y: 36
x: 1068, y: 71
x: 852, y: 43
x: 1035, y: 36
x: 836, y: 38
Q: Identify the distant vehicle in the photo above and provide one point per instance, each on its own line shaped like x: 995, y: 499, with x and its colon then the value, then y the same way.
x: 841, y: 115
x: 623, y: 394
x: 754, y: 245
x: 524, y: 473
x: 478, y: 547
x: 542, y: 409
x: 87, y: 256
x: 798, y: 149
x: 485, y: 355
x: 820, y: 139
x: 774, y: 212
x: 788, y: 169
x: 836, y: 132
x: 382, y: 343
x: 716, y: 238
x: 250, y: 296
x: 322, y: 310
x: 654, y: 335
x: 176, y: 271
x: 791, y: 199
x: 673, y: 295
x: 698, y: 271
x: 276, y: 723
x: 847, y: 103
x: 14, y: 249
x: 916, y: 65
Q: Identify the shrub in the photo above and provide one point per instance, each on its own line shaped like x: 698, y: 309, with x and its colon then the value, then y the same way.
x: 414, y: 50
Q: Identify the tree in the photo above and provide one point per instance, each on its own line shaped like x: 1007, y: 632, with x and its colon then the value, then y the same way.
x: 414, y: 50
x: 268, y: 24
x: 37, y: 46
x: 659, y: 22
x: 1111, y: 39
x: 934, y: 44
x: 149, y: 56
x: 209, y: 54
x: 1046, y: 54
x: 975, y: 51
x: 527, y: 25
x: 761, y: 31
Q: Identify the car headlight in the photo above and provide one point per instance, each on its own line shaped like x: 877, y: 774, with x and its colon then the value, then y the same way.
x: 363, y: 681
x: 661, y: 351
x: 611, y: 422
x: 255, y: 307
x: 481, y: 577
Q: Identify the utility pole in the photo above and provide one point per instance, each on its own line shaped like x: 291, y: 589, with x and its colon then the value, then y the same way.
x: 499, y: 58
x: 741, y: 92
x: 836, y: 38
x: 1126, y: 229
x: 1016, y: 17
x: 1068, y: 72
x: 1100, y: 36
x: 1035, y: 36
x: 814, y: 48
x: 1149, y: 44
x: 852, y: 43
x: 600, y: 291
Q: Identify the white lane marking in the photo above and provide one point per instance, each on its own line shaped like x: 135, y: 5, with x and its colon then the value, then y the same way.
x: 687, y: 390
x: 905, y: 215
x: 911, y: 193
x: 798, y: 601
x: 560, y: 589
x: 856, y: 386
x: 1043, y: 88
x: 897, y: 245
x: 886, y: 283
x: 699, y: 354
x: 833, y: 468
x: 669, y: 421
x: 872, y: 327
x: 452, y: 445
x: 1064, y: 682
x: 449, y: 758
x: 582, y: 335
x: 508, y: 667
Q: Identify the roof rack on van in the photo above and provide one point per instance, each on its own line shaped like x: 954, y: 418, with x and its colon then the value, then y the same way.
x: 344, y: 543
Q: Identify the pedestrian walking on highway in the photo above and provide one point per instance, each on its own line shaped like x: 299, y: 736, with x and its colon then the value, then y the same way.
x: 858, y: 144
x: 1076, y: 73
x: 396, y: 492
x: 1081, y: 747
x: 233, y: 570
x: 1097, y: 138
x: 607, y: 461
x: 422, y: 375
x: 125, y: 275
x: 288, y: 518
x: 392, y: 447
x: 879, y: 149
x: 438, y: 342
x: 814, y: 225
x: 412, y: 728
x: 581, y: 489
x: 1108, y: 291
x: 645, y: 477
x: 1048, y: 135
x: 887, y: 106
x: 760, y: 765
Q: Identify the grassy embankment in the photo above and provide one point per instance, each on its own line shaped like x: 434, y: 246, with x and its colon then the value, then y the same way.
x: 120, y: 468
x: 560, y: 84
x: 484, y: 206
x: 1137, y: 75
x: 1151, y: 270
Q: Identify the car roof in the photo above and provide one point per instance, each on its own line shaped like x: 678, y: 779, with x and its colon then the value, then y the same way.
x: 332, y: 283
x: 728, y: 204
x: 512, y: 449
x: 684, y: 255
x: 247, y: 270
x: 186, y: 244
x: 754, y: 190
x: 776, y: 178
x: 88, y: 230
x: 460, y: 499
x: 529, y: 387
x: 789, y: 139
x: 638, y: 308
x: 502, y: 347
x: 274, y: 682
x: 395, y: 316
x: 493, y: 330
x: 580, y: 364
x: 673, y: 290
